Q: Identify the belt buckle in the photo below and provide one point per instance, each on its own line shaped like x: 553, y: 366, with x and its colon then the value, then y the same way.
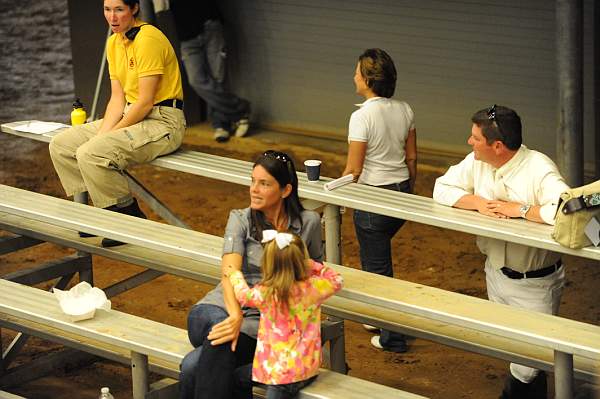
x: 592, y: 200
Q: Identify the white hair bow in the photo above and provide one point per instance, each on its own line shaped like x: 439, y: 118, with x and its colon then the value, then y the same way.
x: 282, y: 239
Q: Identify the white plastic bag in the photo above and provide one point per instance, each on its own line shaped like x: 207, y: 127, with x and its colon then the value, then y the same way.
x: 81, y: 301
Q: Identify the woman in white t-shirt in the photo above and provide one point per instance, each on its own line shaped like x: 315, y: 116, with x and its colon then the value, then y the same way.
x: 382, y: 152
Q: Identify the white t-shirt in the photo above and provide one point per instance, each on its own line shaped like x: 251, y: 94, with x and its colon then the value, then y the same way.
x: 382, y: 123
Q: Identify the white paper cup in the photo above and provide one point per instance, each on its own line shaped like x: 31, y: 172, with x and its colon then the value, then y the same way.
x: 313, y: 169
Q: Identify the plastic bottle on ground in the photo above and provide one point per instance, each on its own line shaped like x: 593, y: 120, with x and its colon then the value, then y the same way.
x: 105, y: 394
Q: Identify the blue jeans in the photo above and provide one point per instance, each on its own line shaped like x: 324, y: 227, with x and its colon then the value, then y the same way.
x: 374, y: 233
x: 204, y: 61
x: 200, y: 321
x: 208, y: 372
x: 282, y: 391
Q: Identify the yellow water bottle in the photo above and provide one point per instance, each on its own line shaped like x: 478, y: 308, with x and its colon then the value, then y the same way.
x: 78, y: 115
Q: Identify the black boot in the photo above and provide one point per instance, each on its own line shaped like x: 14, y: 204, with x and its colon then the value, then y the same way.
x: 515, y: 389
x: 132, y: 210
x: 86, y: 235
x: 538, y: 388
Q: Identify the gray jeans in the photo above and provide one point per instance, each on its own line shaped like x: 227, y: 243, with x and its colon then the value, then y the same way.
x: 204, y: 59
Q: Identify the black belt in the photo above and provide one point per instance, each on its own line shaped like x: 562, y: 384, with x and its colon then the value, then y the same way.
x: 402, y: 186
x: 510, y: 273
x: 171, y: 102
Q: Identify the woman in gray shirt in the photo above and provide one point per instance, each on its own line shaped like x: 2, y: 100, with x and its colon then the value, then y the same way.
x: 224, y: 334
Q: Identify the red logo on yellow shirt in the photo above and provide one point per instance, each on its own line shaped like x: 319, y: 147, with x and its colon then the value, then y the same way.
x: 131, y: 63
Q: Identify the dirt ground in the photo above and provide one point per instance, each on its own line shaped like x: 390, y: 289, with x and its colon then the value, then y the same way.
x: 422, y: 254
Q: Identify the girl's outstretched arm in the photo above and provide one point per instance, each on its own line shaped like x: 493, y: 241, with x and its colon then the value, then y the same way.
x: 245, y: 295
x: 326, y: 280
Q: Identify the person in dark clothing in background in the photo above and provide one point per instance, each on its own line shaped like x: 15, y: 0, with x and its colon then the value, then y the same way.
x: 199, y: 27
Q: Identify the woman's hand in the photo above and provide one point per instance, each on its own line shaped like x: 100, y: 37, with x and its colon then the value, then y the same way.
x: 226, y: 331
x: 114, y: 108
x: 148, y: 87
x: 229, y: 329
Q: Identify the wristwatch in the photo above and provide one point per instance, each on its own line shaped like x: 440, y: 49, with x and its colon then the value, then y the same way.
x: 523, y: 209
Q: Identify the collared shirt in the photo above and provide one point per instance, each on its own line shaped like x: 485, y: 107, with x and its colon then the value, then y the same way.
x: 382, y: 123
x: 529, y: 177
x: 289, y: 337
x: 150, y: 53
x: 238, y: 239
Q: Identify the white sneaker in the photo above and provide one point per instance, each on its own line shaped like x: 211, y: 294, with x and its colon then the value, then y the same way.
x: 221, y: 135
x: 370, y: 328
x: 241, y: 127
x: 375, y: 342
x: 400, y: 347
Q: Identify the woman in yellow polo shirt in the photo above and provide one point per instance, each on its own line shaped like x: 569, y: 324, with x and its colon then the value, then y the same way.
x: 143, y: 119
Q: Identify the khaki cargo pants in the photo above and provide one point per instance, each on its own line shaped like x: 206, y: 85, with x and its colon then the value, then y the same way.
x: 88, y: 161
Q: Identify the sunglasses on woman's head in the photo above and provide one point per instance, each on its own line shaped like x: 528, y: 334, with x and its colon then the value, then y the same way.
x: 280, y: 156
x: 285, y: 159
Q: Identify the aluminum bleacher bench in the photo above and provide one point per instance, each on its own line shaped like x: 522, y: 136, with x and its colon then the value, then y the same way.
x: 146, y: 342
x: 375, y: 299
x: 372, y: 199
x: 452, y: 335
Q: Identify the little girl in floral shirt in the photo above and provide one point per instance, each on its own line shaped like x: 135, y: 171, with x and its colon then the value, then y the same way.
x: 289, y: 297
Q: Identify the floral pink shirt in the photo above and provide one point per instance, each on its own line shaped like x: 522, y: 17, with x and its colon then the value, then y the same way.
x: 289, y: 339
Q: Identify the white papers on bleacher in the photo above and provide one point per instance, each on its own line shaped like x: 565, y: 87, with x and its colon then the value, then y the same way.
x: 339, y: 182
x: 81, y: 301
x: 39, y: 127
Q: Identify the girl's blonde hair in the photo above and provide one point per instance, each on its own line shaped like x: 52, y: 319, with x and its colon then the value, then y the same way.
x: 282, y: 268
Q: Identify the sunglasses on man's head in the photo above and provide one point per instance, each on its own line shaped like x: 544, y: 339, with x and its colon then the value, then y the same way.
x: 491, y: 114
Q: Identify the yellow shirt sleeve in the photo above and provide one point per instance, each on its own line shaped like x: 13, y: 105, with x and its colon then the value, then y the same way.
x: 154, y: 55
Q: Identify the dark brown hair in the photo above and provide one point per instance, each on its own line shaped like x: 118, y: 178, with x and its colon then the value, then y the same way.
x: 281, y: 166
x: 131, y: 4
x: 499, y: 123
x: 378, y: 69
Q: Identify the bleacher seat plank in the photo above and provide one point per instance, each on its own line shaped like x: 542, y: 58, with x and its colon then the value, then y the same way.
x: 208, y: 272
x: 111, y: 327
x: 100, y: 222
x: 342, y: 386
x: 395, y: 204
x: 87, y: 344
x: 530, y: 327
x: 154, y: 339
x: 456, y: 336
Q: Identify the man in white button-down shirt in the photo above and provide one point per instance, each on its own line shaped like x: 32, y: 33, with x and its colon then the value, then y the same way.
x: 502, y: 178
